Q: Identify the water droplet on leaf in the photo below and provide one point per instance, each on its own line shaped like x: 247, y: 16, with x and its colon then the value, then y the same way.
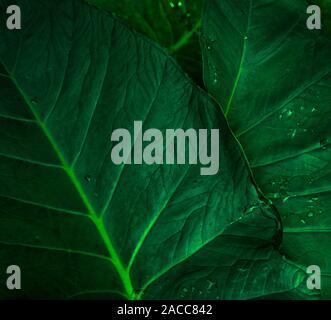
x: 323, y: 143
x: 293, y: 133
x: 275, y: 195
x: 272, y: 182
x: 215, y: 80
x: 289, y: 112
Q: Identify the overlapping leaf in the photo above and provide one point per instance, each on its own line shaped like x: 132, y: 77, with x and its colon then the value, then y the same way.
x: 273, y: 78
x: 174, y: 24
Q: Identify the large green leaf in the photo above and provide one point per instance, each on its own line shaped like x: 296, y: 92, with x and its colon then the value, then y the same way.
x: 80, y: 226
x: 174, y: 24
x: 272, y: 77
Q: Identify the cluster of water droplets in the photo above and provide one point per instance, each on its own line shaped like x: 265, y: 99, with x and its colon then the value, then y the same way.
x: 203, y: 289
x: 176, y: 4
x: 302, y: 114
x: 311, y: 206
x: 280, y: 188
x: 182, y: 9
x: 299, y: 117
x: 313, y: 209
x: 210, y: 43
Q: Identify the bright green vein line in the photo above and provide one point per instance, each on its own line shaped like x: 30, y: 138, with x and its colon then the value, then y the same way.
x: 45, y: 206
x: 242, y: 60
x: 152, y: 223
x: 228, y: 106
x: 80, y: 252
x: 185, y: 38
x: 124, y: 275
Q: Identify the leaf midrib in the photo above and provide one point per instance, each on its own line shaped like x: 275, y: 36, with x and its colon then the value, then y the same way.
x: 186, y: 37
x: 241, y: 63
x: 98, y: 222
